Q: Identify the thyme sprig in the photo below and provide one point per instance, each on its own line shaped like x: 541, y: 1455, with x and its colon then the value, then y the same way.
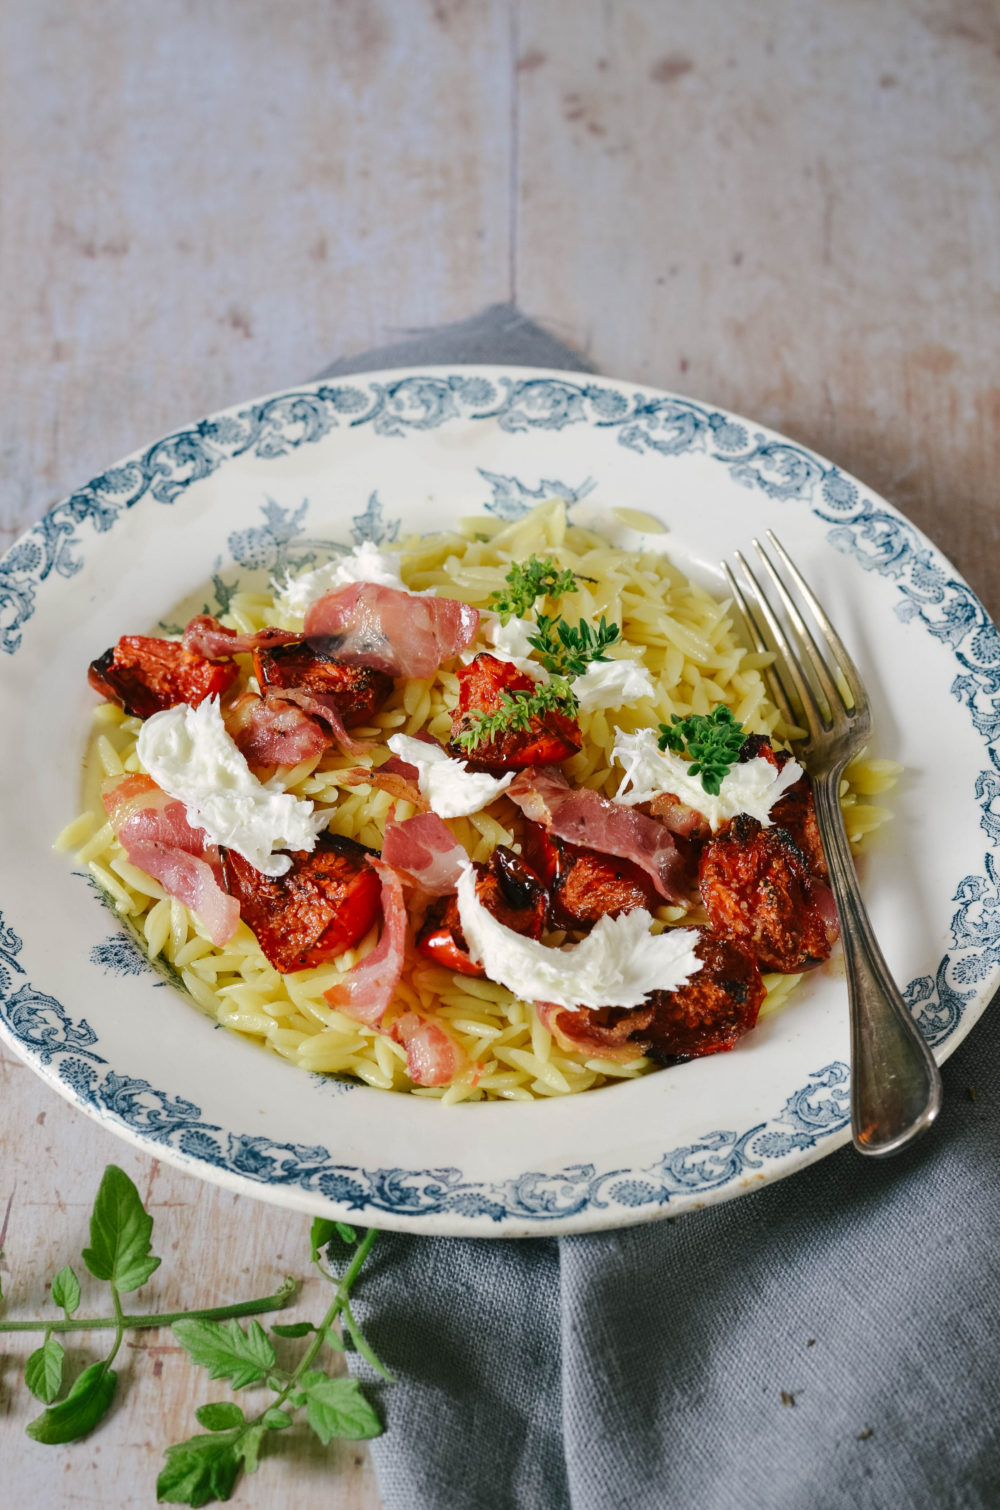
x: 566, y: 650
x: 529, y: 580
x: 712, y: 741
x: 515, y: 712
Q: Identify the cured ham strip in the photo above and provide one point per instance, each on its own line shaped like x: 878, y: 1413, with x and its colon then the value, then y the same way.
x: 372, y: 982
x: 392, y: 630
x: 396, y: 776
x: 581, y: 816
x: 154, y: 832
x: 432, y: 1058
x: 325, y: 708
x: 426, y: 850
x: 270, y: 732
x: 206, y: 637
x: 581, y: 1032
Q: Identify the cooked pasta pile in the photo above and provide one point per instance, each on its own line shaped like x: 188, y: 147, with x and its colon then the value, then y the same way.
x: 687, y: 640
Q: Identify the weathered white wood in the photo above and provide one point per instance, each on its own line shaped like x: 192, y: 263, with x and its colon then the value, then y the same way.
x: 788, y: 209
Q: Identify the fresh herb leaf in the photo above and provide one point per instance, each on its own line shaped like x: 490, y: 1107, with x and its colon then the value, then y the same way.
x: 293, y: 1329
x: 337, y: 1408
x: 120, y: 1232
x: 221, y: 1415
x: 712, y: 741
x: 346, y: 1233
x: 275, y: 1419
x: 568, y: 651
x: 515, y: 712
x: 44, y: 1370
x: 81, y: 1410
x: 66, y: 1291
x: 199, y: 1470
x: 226, y: 1350
x: 320, y: 1233
x: 528, y: 580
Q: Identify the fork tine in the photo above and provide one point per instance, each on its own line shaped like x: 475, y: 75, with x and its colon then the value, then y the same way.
x: 759, y: 643
x: 845, y: 665
x: 793, y: 665
x: 821, y: 670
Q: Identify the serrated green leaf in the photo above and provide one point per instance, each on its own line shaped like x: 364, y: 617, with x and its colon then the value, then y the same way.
x: 320, y: 1233
x: 346, y: 1233
x: 293, y: 1329
x: 220, y: 1415
x: 44, y: 1370
x: 276, y: 1419
x: 66, y: 1290
x: 199, y: 1470
x: 337, y: 1408
x: 248, y: 1445
x: 226, y: 1350
x: 120, y: 1232
x: 81, y: 1410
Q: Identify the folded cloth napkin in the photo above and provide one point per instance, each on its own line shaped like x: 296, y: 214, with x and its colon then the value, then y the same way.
x: 831, y: 1342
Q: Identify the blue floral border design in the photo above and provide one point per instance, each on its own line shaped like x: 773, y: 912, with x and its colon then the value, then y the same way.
x: 878, y: 539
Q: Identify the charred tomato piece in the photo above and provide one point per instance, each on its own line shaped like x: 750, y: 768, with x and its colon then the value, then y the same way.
x: 144, y: 675
x: 711, y: 1011
x: 585, y: 885
x: 325, y: 904
x: 795, y: 812
x: 758, y: 890
x: 357, y: 691
x: 549, y: 738
x: 509, y: 888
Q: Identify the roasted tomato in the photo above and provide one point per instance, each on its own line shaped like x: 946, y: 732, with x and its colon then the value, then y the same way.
x: 144, y: 675
x: 795, y: 812
x: 712, y: 1010
x: 357, y: 691
x: 550, y: 737
x: 509, y: 888
x: 758, y: 889
x: 325, y: 904
x: 585, y: 885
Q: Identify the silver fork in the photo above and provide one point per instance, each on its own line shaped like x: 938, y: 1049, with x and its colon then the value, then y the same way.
x: 895, y: 1084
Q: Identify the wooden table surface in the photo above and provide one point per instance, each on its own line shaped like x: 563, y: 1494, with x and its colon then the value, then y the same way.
x: 788, y: 209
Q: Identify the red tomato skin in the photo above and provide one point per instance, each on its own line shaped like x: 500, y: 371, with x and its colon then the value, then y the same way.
x: 550, y: 738
x: 145, y: 675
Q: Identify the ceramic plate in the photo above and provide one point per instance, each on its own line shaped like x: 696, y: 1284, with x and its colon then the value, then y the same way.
x: 273, y: 484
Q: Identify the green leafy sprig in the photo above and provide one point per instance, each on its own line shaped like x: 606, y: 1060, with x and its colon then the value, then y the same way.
x: 529, y: 580
x: 567, y: 651
x: 712, y: 741
x: 515, y: 712
x: 206, y: 1466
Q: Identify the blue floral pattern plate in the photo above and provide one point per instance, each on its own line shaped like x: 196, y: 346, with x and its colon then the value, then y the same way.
x: 286, y: 481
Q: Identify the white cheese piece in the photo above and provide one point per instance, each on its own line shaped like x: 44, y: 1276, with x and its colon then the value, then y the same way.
x: 612, y: 684
x: 753, y: 787
x: 365, y: 563
x: 452, y: 790
x: 616, y: 965
x: 190, y: 755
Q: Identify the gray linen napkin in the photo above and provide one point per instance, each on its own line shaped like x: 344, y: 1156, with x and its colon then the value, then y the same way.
x: 828, y: 1343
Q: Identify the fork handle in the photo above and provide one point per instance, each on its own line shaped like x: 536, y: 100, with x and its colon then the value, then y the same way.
x: 895, y: 1084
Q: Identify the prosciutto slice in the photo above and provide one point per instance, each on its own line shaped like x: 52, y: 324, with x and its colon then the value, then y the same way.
x: 372, y: 983
x: 270, y: 732
x: 396, y: 776
x: 155, y: 834
x: 394, y: 631
x: 432, y: 1058
x: 325, y: 708
x: 581, y: 816
x: 206, y: 637
x: 426, y: 850
x: 583, y: 1031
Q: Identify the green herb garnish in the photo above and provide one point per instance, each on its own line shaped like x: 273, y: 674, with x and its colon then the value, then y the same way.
x: 568, y: 652
x: 206, y: 1466
x: 712, y: 740
x: 516, y: 711
x: 528, y: 580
